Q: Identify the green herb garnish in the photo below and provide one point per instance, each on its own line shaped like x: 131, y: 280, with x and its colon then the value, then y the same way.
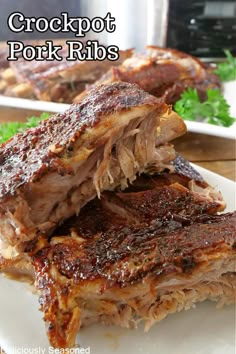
x: 227, y: 70
x: 7, y: 130
x: 215, y: 110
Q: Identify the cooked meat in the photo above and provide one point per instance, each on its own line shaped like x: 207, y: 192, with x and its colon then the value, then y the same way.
x: 146, y: 198
x: 18, y: 268
x: 4, y: 68
x: 58, y: 81
x: 183, y: 173
x: 149, y: 197
x: 159, y: 203
x: 4, y: 51
x: 183, y: 168
x: 4, y: 63
x: 124, y: 274
x: 159, y: 198
x: 163, y: 72
x: 48, y: 173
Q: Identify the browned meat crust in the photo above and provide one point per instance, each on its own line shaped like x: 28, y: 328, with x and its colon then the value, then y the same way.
x: 49, y: 172
x: 109, y: 263
x: 125, y: 274
x: 183, y: 168
x: 172, y: 242
x: 148, y: 198
x: 58, y: 81
x: 161, y: 202
x: 183, y: 173
x: 28, y: 156
x: 163, y: 72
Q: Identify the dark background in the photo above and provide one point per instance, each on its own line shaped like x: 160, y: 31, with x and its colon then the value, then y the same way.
x: 202, y: 27
x: 199, y: 27
x: 36, y: 8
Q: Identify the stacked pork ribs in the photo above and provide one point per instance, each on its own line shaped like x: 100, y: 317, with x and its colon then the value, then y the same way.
x: 108, y: 220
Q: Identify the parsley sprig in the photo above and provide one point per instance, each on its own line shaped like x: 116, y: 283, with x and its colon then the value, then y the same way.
x: 227, y: 70
x: 7, y: 130
x: 215, y: 110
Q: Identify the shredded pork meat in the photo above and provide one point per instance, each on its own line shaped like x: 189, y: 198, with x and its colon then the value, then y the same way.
x: 130, y: 273
x: 48, y: 173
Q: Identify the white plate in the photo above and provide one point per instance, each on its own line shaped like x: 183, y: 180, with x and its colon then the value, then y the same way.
x: 203, y: 330
x: 195, y: 127
x: 210, y: 129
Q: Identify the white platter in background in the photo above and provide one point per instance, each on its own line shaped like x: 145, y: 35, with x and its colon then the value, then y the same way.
x: 210, y: 129
x: 203, y: 330
x: 195, y: 127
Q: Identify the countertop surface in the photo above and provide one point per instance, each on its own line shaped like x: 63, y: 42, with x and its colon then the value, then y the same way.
x: 213, y: 153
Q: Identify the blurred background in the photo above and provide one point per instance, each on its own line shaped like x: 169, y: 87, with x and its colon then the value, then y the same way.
x: 199, y: 27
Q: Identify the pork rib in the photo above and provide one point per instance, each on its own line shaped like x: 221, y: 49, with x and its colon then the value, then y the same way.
x: 148, y: 197
x: 58, y: 81
x: 118, y: 273
x: 163, y: 72
x: 48, y: 173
